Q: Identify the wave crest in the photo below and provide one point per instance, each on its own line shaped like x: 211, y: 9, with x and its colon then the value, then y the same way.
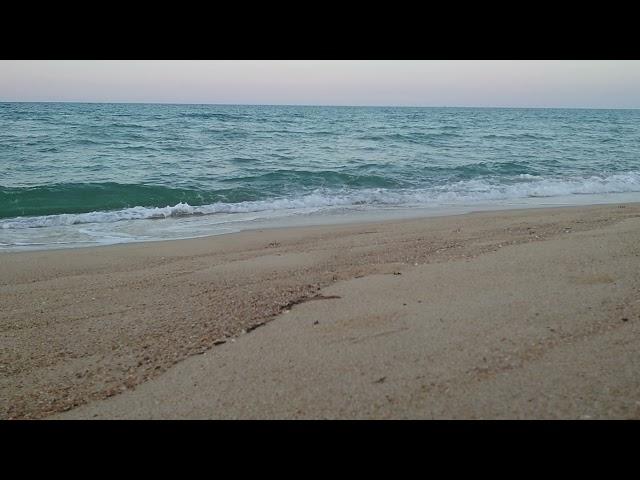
x: 521, y: 186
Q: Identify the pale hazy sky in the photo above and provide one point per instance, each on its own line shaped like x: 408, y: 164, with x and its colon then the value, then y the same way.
x: 485, y: 83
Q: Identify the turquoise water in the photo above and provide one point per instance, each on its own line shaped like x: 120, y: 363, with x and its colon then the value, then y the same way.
x: 74, y: 174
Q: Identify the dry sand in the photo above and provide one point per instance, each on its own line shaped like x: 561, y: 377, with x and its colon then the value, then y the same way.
x: 515, y: 314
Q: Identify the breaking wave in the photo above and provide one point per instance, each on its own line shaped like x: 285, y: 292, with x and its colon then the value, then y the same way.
x: 460, y: 192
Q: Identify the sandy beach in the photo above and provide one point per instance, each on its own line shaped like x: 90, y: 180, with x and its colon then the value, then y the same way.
x: 513, y: 314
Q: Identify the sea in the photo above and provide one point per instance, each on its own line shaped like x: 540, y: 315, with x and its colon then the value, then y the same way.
x: 86, y: 174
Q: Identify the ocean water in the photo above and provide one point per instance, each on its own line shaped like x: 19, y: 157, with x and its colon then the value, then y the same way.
x: 92, y: 174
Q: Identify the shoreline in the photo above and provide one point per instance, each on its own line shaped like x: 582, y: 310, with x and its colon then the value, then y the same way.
x: 333, y: 217
x: 86, y: 329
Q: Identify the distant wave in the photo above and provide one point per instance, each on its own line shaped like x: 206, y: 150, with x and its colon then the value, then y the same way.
x: 318, y: 178
x: 410, y: 137
x: 521, y: 186
x: 212, y: 115
x: 517, y: 136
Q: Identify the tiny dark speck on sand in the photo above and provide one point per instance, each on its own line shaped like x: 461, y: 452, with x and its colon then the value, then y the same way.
x: 316, y: 322
x: 625, y: 319
x: 380, y: 380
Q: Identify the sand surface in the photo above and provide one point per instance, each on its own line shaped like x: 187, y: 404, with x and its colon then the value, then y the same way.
x: 515, y: 314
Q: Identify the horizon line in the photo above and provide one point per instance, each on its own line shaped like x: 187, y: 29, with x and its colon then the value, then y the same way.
x: 311, y: 105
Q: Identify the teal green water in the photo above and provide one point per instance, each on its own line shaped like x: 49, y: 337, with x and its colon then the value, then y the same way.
x: 66, y: 165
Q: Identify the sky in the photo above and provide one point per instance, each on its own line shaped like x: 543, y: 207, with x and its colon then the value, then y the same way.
x: 460, y: 83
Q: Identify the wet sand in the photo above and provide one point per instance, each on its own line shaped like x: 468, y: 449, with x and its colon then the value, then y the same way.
x: 514, y: 314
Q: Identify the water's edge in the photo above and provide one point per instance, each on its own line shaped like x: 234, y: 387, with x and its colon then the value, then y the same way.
x: 352, y: 217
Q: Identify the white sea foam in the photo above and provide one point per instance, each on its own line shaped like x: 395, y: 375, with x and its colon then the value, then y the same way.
x: 524, y: 186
